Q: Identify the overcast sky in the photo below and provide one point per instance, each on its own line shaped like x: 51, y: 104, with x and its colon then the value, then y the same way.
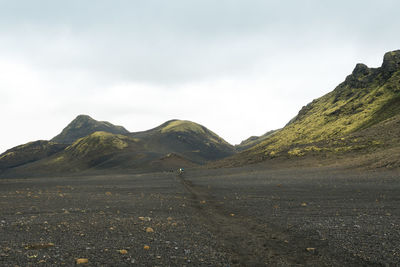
x: 238, y: 67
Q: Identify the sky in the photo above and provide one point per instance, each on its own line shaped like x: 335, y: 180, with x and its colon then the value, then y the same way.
x: 238, y: 67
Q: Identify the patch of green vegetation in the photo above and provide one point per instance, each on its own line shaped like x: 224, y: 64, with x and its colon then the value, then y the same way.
x: 7, y: 155
x: 296, y: 152
x: 183, y: 126
x: 58, y: 159
x: 386, y: 111
x: 99, y: 142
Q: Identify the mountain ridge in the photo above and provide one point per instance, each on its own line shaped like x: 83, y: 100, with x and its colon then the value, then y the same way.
x: 171, y: 144
x: 84, y: 125
x: 367, y: 97
x: 360, y: 117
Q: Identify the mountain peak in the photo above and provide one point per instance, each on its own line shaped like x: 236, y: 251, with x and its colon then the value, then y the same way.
x: 361, y: 70
x: 182, y: 126
x: 391, y: 61
x: 84, y: 125
x: 84, y: 117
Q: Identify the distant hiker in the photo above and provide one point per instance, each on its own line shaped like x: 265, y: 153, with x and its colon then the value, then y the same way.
x: 181, y: 171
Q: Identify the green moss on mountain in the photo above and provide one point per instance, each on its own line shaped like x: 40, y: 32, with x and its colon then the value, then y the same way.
x: 99, y: 143
x: 367, y: 97
x: 183, y: 126
x: 189, y: 139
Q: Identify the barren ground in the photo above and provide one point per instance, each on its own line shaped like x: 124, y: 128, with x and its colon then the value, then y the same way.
x: 227, y: 217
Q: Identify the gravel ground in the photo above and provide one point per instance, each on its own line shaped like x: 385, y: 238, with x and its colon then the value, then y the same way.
x: 234, y: 217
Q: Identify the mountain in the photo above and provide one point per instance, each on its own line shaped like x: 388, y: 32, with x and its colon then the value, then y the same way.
x: 99, y: 150
x: 192, y: 140
x: 345, y: 120
x: 84, y: 125
x: 171, y: 145
x: 28, y: 153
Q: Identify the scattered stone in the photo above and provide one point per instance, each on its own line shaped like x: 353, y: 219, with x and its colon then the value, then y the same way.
x: 146, y: 247
x: 149, y: 230
x: 108, y: 194
x: 123, y: 251
x: 145, y: 219
x: 82, y: 261
x: 311, y: 250
x: 304, y: 204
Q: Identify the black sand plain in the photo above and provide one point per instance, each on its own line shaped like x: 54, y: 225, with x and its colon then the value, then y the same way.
x: 251, y: 216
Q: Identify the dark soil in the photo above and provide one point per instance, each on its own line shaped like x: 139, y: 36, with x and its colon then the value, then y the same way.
x: 226, y: 217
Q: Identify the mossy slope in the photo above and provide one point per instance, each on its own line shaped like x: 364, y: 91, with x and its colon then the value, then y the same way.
x: 94, y: 150
x: 191, y: 140
x: 366, y: 98
x: 174, y: 143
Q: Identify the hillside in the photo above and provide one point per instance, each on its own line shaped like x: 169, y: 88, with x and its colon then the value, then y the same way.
x: 192, y: 140
x: 28, y: 153
x: 368, y: 97
x: 84, y: 125
x: 169, y: 146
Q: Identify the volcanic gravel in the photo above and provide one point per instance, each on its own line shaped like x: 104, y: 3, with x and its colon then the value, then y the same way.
x: 227, y: 217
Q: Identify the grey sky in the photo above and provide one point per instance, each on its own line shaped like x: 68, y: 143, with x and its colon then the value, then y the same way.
x: 240, y: 68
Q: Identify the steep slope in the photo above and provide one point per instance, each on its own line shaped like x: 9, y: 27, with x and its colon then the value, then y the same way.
x: 191, y: 140
x: 366, y: 98
x: 84, y: 125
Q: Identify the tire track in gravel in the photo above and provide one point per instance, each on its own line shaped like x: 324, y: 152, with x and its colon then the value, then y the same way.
x: 246, y: 242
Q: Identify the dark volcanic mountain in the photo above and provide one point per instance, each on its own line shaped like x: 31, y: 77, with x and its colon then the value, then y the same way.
x: 187, y: 138
x: 28, y: 153
x: 84, y: 125
x: 172, y: 144
x: 358, y: 117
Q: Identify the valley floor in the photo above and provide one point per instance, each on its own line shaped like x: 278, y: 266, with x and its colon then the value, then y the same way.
x: 225, y: 217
